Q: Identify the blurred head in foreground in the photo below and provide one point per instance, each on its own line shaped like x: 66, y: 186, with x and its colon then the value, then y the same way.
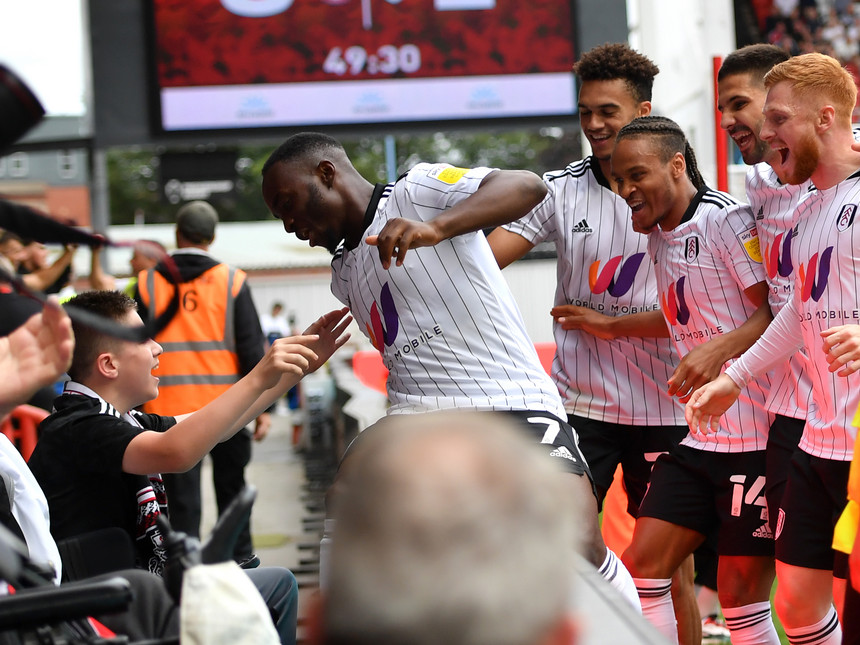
x: 452, y: 529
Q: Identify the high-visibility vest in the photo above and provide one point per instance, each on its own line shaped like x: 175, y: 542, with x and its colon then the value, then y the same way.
x: 847, y: 526
x: 199, y: 360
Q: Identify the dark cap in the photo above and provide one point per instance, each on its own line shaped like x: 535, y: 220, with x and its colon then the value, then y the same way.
x: 196, y: 222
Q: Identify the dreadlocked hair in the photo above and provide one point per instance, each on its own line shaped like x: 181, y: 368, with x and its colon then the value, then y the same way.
x: 669, y: 138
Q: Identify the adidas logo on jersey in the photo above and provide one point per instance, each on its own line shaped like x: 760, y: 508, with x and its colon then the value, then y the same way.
x: 563, y: 452
x: 760, y: 214
x: 763, y: 532
x: 581, y: 227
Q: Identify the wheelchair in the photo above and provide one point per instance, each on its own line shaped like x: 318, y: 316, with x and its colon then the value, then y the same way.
x: 42, y: 613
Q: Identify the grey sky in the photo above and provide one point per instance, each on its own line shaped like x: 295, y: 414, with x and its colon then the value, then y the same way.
x: 41, y: 41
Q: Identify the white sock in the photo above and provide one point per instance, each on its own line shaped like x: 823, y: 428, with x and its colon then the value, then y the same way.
x: 655, y: 594
x: 751, y: 624
x: 708, y: 601
x: 617, y: 575
x: 826, y: 631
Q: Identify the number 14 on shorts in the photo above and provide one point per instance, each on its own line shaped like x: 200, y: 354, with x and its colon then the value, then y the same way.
x: 754, y: 495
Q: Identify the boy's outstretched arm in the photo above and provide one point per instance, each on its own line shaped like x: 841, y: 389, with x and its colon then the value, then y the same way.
x: 330, y: 329
x: 194, y: 435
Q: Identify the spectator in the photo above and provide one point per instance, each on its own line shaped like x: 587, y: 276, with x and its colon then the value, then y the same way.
x: 453, y: 529
x: 275, y: 323
x: 98, y: 460
x: 218, y: 315
x: 146, y: 254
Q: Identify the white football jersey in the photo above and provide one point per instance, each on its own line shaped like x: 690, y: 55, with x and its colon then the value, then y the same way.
x: 602, y: 264
x: 703, y: 267
x: 826, y: 255
x: 446, y: 323
x: 774, y: 205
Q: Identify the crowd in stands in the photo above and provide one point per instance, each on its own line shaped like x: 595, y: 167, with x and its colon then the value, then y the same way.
x: 829, y: 27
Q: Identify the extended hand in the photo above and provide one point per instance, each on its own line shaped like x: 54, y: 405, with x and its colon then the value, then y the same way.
x: 584, y: 319
x: 291, y: 355
x: 35, y: 355
x: 399, y: 235
x: 330, y: 330
x: 842, y: 348
x: 262, y: 425
x: 701, y: 365
x: 708, y: 403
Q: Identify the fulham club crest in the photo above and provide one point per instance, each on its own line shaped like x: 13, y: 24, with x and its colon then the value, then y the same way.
x: 846, y: 217
x: 691, y: 248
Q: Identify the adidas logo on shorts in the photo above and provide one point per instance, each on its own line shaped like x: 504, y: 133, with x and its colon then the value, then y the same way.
x: 581, y: 227
x: 563, y: 452
x: 763, y: 532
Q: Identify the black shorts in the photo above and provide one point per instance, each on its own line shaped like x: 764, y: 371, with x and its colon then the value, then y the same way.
x: 554, y: 434
x: 713, y: 491
x: 782, y: 440
x: 636, y: 448
x: 815, y: 495
x: 558, y: 438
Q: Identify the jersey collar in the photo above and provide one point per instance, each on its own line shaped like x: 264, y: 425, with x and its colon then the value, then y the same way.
x: 370, y: 212
x: 71, y: 387
x: 694, y: 204
x: 598, y: 173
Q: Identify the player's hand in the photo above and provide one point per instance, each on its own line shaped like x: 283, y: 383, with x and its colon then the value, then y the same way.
x: 841, y: 347
x: 399, y: 235
x: 708, y: 403
x: 330, y: 330
x: 584, y: 319
x: 262, y: 425
x: 701, y: 365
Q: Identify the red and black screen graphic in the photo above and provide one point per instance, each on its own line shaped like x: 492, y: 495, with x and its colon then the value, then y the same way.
x: 205, y: 43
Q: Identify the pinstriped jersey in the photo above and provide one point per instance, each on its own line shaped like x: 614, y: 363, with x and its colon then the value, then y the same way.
x: 826, y: 254
x: 703, y: 266
x: 445, y: 322
x: 774, y: 205
x: 603, y: 265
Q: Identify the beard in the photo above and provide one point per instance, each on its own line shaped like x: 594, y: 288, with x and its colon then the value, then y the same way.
x: 806, y: 156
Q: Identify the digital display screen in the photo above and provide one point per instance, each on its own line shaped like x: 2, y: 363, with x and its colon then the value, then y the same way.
x: 223, y: 64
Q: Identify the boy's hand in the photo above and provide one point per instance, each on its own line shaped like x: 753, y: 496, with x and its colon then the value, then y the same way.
x: 291, y: 355
x: 330, y: 330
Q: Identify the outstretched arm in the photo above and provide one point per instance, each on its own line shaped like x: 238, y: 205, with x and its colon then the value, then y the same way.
x: 647, y: 324
x: 503, y: 196
x: 285, y: 363
x: 705, y: 362
x: 779, y: 341
x: 99, y: 278
x: 44, y: 278
x: 331, y: 332
x: 34, y: 355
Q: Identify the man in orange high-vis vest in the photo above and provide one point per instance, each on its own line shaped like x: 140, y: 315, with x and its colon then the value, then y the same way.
x: 214, y: 339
